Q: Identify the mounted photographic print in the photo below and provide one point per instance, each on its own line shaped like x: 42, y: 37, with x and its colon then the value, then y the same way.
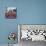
x: 10, y: 13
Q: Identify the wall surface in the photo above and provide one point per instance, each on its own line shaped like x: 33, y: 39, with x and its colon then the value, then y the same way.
x: 28, y: 12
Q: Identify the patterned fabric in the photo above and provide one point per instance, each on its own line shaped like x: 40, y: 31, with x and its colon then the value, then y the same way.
x: 27, y: 34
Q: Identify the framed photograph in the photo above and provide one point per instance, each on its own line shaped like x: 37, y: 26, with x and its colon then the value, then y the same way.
x: 10, y: 13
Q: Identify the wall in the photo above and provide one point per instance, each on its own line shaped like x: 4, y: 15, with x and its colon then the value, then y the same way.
x: 28, y: 12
